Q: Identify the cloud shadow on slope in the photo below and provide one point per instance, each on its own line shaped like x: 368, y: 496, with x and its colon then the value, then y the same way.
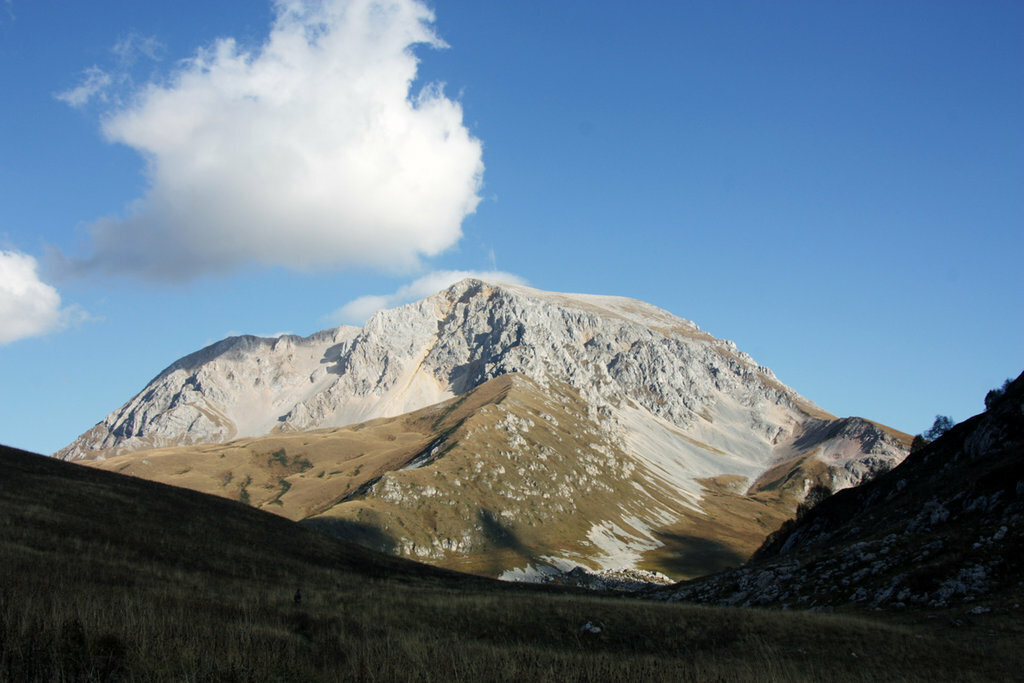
x: 366, y: 535
x: 499, y: 535
x: 692, y: 556
x: 334, y: 359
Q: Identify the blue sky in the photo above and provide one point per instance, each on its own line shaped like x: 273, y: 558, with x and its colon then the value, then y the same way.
x: 834, y: 186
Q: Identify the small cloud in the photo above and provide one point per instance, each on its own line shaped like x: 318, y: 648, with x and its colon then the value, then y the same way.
x: 358, y: 310
x: 98, y: 84
x: 239, y: 333
x: 28, y: 306
x: 132, y: 46
x: 95, y: 84
x: 308, y: 152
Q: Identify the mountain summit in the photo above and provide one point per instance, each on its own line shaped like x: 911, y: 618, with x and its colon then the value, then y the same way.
x: 528, y: 428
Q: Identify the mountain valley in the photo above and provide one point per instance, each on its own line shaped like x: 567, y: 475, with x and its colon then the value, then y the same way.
x: 108, y: 577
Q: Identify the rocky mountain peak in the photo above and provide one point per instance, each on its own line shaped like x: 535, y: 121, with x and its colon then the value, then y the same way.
x: 610, y: 400
x: 620, y: 353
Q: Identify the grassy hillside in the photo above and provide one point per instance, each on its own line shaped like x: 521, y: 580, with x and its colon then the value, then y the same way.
x: 494, y: 479
x: 107, y: 577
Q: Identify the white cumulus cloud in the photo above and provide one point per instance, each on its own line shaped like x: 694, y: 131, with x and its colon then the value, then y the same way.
x: 28, y: 306
x: 309, y: 152
x: 358, y: 310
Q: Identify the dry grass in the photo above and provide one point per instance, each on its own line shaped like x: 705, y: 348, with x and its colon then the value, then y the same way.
x: 733, y: 525
x: 301, y: 474
x: 112, y: 578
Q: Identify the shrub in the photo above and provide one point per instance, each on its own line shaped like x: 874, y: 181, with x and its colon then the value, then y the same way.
x: 992, y: 397
x: 942, y: 424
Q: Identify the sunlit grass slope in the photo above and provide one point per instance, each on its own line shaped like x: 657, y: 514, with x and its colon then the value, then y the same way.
x: 464, y: 484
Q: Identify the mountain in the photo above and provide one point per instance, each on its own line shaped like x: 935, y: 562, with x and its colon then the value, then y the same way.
x: 500, y: 429
x: 944, y: 529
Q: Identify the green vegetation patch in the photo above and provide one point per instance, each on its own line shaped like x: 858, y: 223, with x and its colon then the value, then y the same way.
x: 278, y: 460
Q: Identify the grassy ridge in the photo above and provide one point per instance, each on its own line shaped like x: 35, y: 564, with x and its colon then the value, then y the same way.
x: 105, y: 577
x: 504, y: 474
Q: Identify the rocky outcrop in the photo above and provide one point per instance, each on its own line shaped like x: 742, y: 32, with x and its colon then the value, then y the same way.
x: 943, y: 529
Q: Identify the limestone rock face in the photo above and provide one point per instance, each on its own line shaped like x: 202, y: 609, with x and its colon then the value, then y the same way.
x: 683, y: 402
x: 236, y: 387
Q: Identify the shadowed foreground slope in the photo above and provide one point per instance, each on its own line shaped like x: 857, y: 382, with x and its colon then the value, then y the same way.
x: 106, y: 577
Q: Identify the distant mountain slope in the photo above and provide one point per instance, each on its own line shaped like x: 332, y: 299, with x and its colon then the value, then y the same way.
x: 507, y: 478
x: 944, y: 528
x: 602, y: 431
